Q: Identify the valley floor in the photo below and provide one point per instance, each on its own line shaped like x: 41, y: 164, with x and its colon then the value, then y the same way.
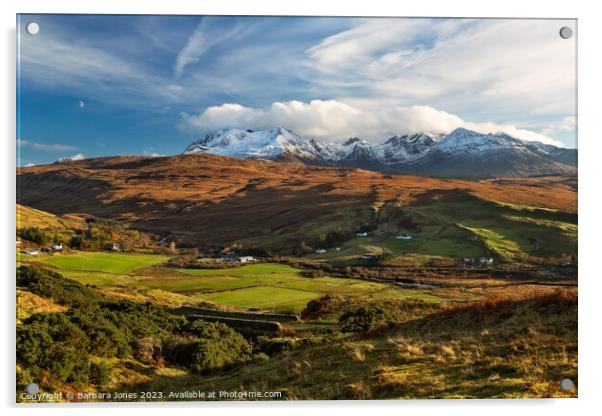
x: 474, y: 337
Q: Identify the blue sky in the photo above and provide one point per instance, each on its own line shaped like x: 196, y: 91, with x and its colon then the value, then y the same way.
x: 106, y: 85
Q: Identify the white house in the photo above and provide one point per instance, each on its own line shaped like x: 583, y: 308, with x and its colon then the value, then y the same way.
x: 404, y: 237
x: 486, y: 260
x: 33, y: 252
x: 338, y: 249
x: 246, y: 259
x: 364, y: 234
x: 320, y: 251
x: 57, y: 247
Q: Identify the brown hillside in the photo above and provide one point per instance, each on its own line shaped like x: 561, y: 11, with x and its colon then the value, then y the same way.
x: 207, y: 198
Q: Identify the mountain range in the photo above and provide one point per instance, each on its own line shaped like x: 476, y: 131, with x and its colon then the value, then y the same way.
x: 462, y: 153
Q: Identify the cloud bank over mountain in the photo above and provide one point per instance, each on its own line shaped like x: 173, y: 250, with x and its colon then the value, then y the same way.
x: 332, y: 120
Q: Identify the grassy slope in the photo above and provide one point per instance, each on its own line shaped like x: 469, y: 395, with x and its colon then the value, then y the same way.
x: 512, y: 347
x: 29, y: 304
x: 457, y: 225
x: 30, y: 217
x: 267, y: 204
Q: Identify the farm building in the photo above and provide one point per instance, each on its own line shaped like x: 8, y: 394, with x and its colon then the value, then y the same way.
x: 320, y: 251
x: 404, y: 237
x: 364, y: 234
x: 231, y: 257
x: 245, y: 259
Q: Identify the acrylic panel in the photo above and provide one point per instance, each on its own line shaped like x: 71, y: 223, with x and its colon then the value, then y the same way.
x: 295, y: 208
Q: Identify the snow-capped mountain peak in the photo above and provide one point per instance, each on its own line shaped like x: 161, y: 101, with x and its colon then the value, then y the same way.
x: 462, y: 140
x: 271, y: 143
x: 418, y: 152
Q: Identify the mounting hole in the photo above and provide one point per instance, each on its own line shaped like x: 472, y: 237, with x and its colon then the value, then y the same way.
x: 567, y: 384
x: 32, y: 28
x: 32, y: 388
x: 566, y: 32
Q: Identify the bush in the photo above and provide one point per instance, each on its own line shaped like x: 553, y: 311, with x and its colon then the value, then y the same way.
x: 139, y: 320
x: 317, y: 308
x: 53, y: 349
x: 52, y: 285
x: 57, y: 346
x: 100, y: 374
x: 363, y: 319
x: 148, y: 349
x: 272, y: 346
x: 106, y: 340
x: 208, y: 346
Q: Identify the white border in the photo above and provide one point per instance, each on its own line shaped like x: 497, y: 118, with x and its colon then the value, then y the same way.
x: 590, y: 153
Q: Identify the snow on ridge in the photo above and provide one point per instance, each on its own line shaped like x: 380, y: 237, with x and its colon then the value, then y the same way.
x: 279, y: 141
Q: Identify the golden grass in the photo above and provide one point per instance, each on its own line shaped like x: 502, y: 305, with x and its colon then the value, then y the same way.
x: 29, y: 304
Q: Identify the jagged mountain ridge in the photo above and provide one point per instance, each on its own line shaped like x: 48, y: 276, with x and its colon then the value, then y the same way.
x: 462, y: 153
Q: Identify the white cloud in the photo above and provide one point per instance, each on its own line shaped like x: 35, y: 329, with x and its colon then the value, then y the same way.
x: 56, y: 62
x: 332, y: 120
x: 492, y: 69
x: 45, y: 147
x: 567, y: 124
x: 191, y: 52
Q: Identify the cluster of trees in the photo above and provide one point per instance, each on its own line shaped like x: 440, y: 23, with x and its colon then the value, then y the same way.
x: 74, y: 346
x: 36, y: 235
x: 99, y: 233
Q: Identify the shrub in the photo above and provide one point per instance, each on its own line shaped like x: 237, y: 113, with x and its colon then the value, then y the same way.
x: 363, y: 319
x: 52, y: 349
x: 208, y: 346
x: 148, y: 349
x: 272, y: 346
x: 49, y: 284
x: 106, y: 340
x: 317, y: 308
x: 100, y: 374
x: 139, y: 320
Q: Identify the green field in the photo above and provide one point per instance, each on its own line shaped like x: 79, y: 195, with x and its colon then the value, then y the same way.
x: 104, y: 262
x: 268, y: 286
